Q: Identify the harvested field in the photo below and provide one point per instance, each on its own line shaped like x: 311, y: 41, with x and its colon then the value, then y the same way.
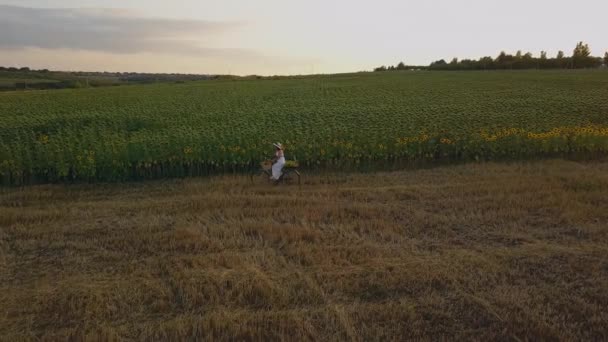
x: 513, y: 251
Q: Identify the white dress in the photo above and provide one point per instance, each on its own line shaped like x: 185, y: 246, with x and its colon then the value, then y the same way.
x: 278, y: 166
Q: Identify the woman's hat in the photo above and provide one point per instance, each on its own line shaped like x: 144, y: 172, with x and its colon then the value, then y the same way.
x: 278, y: 145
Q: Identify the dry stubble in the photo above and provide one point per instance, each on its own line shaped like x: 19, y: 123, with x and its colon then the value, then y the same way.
x: 507, y: 251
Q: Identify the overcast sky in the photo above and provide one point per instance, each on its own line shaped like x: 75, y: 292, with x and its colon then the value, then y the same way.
x: 285, y: 36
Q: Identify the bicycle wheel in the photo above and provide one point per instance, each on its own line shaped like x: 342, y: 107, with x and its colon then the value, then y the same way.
x: 291, y: 176
x: 261, y: 177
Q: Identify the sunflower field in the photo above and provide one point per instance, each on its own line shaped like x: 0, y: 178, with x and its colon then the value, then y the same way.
x: 337, y: 121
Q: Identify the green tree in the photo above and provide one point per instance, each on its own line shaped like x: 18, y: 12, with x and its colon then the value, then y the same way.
x: 486, y: 62
x: 543, y: 62
x: 504, y: 61
x: 581, y: 56
x: 518, y: 63
x: 581, y: 50
x: 528, y: 61
x: 401, y: 66
x: 439, y: 65
x: 606, y: 58
x: 560, y: 60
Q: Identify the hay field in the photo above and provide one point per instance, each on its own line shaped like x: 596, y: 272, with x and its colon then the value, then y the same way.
x: 482, y: 251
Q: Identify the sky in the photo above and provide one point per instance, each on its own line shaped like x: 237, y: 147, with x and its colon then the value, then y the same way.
x: 279, y: 37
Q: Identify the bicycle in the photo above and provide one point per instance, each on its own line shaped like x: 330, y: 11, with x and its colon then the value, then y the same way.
x: 289, y: 174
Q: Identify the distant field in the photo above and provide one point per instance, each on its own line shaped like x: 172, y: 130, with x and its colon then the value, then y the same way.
x: 40, y: 81
x: 13, y: 81
x: 507, y: 252
x: 340, y: 121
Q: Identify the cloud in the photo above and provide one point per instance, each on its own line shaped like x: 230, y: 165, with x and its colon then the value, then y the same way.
x: 109, y: 30
x: 122, y: 40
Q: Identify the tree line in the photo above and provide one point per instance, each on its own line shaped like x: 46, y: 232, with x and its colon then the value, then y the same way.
x: 581, y: 58
x: 400, y: 66
x: 25, y: 78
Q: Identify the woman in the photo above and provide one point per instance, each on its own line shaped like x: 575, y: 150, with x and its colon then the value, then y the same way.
x: 277, y: 162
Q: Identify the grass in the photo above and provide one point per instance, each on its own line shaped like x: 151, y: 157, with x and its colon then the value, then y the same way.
x: 481, y: 251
